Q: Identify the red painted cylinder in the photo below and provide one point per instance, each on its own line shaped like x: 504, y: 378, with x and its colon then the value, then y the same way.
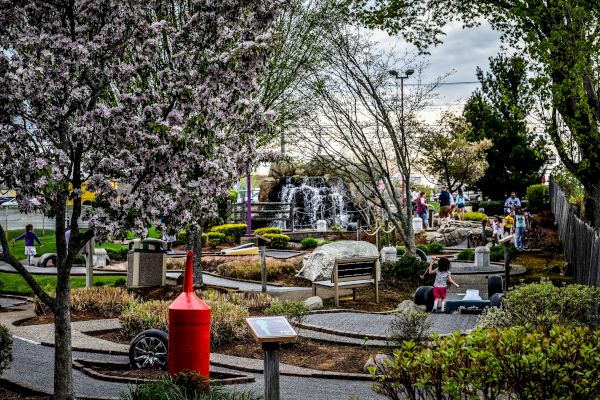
x: 189, y: 329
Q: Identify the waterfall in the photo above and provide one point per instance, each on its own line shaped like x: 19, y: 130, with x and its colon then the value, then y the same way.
x: 314, y: 199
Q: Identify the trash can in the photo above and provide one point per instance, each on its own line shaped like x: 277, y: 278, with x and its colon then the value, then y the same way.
x: 146, y: 263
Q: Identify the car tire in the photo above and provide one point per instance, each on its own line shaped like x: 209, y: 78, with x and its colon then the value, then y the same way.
x: 495, y: 285
x: 496, y: 300
x: 149, y: 350
x: 424, y: 297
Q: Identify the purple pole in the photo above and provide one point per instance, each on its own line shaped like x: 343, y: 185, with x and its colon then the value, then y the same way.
x: 248, y: 204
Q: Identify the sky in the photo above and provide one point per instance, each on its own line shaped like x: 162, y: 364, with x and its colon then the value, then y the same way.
x: 461, y: 53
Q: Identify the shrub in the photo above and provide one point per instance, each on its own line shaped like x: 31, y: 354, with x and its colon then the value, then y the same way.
x: 117, y: 254
x: 278, y: 241
x: 492, y: 207
x: 241, y: 270
x: 476, y: 216
x: 544, y: 305
x: 141, y: 315
x: 5, y: 348
x: 215, y: 238
x: 79, y: 259
x: 411, y: 325
x: 270, y: 229
x: 227, y: 324
x: 407, y: 266
x: 435, y: 248
x: 251, y: 300
x: 104, y: 300
x: 497, y: 252
x: 423, y: 247
x: 400, y: 251
x: 537, y: 197
x: 293, y: 310
x: 466, y: 255
x: 309, y: 242
x: 235, y: 231
x: 323, y: 242
x: 492, y: 364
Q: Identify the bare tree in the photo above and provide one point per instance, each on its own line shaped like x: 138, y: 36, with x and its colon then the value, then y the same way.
x: 357, y: 127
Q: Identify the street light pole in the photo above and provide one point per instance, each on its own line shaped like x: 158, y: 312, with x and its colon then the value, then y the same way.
x: 397, y: 76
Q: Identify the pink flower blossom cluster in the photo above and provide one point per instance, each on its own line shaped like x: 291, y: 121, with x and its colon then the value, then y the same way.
x: 152, y: 104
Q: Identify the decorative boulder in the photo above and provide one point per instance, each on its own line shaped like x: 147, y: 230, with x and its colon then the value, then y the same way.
x: 318, y: 266
x: 409, y: 306
x: 314, y: 303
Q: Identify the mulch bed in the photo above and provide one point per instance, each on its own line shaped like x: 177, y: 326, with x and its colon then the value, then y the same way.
x: 48, y: 318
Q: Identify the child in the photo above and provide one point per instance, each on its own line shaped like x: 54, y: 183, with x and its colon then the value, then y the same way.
x: 497, y: 229
x: 30, y: 239
x: 442, y: 276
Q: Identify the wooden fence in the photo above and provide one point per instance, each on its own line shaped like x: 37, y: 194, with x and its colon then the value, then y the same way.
x: 581, y: 243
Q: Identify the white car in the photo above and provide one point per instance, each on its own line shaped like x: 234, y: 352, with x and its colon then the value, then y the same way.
x: 13, y: 203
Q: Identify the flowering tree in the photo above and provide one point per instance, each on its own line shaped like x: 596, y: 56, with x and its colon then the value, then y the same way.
x: 148, y: 103
x: 449, y: 157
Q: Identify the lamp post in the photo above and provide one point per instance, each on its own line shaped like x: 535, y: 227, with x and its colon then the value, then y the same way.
x: 397, y: 76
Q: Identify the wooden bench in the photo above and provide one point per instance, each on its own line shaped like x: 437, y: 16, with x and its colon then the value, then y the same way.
x: 351, y: 273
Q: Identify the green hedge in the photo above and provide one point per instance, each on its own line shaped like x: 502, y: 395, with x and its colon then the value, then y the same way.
x: 407, y: 267
x: 476, y: 216
x: 492, y: 364
x: 215, y: 238
x: 309, y: 242
x: 430, y: 248
x: 235, y: 231
x: 466, y: 255
x: 538, y: 198
x: 263, y: 231
x: 278, y: 241
x: 117, y: 254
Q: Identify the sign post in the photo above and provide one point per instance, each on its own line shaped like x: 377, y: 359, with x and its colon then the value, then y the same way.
x: 270, y: 332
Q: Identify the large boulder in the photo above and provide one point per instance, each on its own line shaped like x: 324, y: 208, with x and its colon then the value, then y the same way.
x: 314, y: 303
x: 457, y: 232
x: 318, y: 266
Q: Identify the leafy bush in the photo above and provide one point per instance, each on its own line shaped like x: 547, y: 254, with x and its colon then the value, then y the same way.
x: 537, y: 197
x: 117, y: 254
x: 181, y: 387
x: 400, y: 251
x: 407, y: 266
x: 227, y: 324
x: 270, y: 229
x: 493, y: 364
x: 411, y: 325
x: 466, y: 255
x: 5, y: 348
x: 278, y: 241
x: 253, y: 301
x: 309, y: 242
x: 423, y: 247
x: 570, y: 185
x: 235, y: 231
x: 435, y: 248
x: 544, y: 305
x: 242, y: 270
x: 215, y: 238
x: 497, y: 252
x: 79, y: 259
x: 492, y: 207
x: 476, y: 216
x: 104, y: 300
x: 141, y: 315
x: 293, y: 310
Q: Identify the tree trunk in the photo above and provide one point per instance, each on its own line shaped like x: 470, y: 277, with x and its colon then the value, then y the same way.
x: 197, y: 249
x: 592, y: 205
x: 63, y: 375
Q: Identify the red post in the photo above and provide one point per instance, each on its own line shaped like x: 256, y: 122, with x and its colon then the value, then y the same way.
x: 189, y: 329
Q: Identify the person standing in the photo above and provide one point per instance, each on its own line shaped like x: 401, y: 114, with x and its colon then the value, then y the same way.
x: 422, y: 209
x: 460, y: 201
x: 511, y: 203
x: 519, y: 227
x: 444, y: 199
x: 30, y: 238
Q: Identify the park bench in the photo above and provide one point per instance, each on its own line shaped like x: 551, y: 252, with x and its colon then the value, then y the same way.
x: 351, y: 273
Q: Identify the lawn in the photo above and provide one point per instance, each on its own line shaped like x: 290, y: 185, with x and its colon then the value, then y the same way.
x: 15, y: 284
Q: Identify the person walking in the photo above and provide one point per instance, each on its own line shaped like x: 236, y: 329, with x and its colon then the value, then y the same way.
x: 444, y: 199
x: 519, y: 227
x: 442, y: 277
x: 497, y: 229
x: 422, y: 209
x: 30, y: 238
x: 460, y: 201
x: 511, y: 203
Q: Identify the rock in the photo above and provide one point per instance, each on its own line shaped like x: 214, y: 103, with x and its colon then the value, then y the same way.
x: 370, y: 363
x: 314, y: 303
x: 408, y: 306
x: 267, y: 187
x: 482, y: 257
x: 388, y: 255
x: 319, y: 264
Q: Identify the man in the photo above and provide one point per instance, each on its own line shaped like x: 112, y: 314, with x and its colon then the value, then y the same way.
x: 444, y: 199
x: 511, y: 203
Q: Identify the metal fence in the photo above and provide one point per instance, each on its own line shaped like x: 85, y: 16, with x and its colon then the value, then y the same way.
x: 581, y: 243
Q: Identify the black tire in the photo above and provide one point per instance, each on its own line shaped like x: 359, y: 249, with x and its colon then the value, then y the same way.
x: 495, y: 285
x: 149, y: 350
x: 418, y: 253
x: 44, y: 261
x: 424, y: 297
x: 496, y: 300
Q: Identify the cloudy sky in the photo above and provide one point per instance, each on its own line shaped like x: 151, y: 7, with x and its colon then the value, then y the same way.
x: 461, y: 53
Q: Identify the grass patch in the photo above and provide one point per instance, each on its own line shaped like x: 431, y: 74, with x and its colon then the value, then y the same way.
x: 15, y: 284
x: 18, y: 249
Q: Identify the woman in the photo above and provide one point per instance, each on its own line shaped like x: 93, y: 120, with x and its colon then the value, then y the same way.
x: 460, y: 201
x: 423, y: 209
